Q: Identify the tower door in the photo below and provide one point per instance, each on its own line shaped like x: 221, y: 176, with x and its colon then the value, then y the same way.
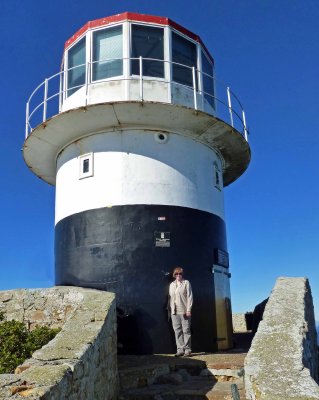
x: 223, y: 307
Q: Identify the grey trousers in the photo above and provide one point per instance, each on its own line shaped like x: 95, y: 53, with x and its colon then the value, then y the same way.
x: 182, y: 329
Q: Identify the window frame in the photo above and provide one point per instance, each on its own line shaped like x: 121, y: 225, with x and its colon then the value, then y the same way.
x: 82, y: 158
x: 205, y: 54
x: 65, y: 66
x: 198, y: 48
x: 165, y: 51
x: 103, y: 28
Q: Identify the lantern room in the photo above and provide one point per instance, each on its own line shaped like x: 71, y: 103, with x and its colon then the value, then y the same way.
x: 137, y: 57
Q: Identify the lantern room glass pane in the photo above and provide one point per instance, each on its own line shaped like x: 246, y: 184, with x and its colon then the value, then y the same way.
x: 76, y: 67
x: 108, y: 53
x: 148, y: 42
x: 183, y: 52
x: 208, y: 80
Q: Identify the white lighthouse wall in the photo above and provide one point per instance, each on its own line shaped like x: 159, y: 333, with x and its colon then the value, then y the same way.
x: 135, y: 167
x: 153, y: 89
x: 118, y: 89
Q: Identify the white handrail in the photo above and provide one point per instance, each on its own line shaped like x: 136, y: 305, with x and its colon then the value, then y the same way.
x: 245, y: 127
x: 194, y: 87
x: 45, y: 105
x: 141, y: 77
x: 198, y: 89
x: 230, y: 107
x: 27, y: 120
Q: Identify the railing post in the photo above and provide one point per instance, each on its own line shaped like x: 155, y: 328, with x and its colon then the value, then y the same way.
x: 45, y: 100
x: 194, y: 87
x: 27, y: 120
x: 230, y: 107
x: 168, y: 74
x: 141, y: 77
x: 234, y: 392
x: 245, y: 126
x: 87, y: 80
x: 61, y: 90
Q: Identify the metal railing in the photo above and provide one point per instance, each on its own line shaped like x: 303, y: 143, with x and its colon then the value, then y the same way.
x: 52, y: 94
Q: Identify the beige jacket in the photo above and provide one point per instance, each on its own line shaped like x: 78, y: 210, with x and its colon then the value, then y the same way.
x: 183, y: 298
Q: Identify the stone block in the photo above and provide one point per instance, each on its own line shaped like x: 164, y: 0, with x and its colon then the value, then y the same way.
x: 239, y: 322
x: 282, y: 362
x: 45, y: 375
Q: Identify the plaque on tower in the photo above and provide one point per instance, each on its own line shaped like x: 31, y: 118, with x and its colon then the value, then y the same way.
x: 162, y: 239
x: 221, y: 258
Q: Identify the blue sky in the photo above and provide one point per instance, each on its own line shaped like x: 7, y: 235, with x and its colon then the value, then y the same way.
x: 267, y: 51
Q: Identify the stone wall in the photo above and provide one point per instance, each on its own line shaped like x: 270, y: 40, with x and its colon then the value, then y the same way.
x: 239, y: 322
x: 282, y: 362
x: 81, y: 361
x: 41, y: 307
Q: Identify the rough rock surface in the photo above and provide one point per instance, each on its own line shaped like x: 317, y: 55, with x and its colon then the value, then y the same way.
x: 239, y: 322
x: 81, y: 361
x: 282, y: 362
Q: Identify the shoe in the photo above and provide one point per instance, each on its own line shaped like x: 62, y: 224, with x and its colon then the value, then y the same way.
x: 179, y: 354
x: 187, y: 354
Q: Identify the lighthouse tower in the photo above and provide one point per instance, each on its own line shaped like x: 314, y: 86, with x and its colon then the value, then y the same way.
x: 140, y: 140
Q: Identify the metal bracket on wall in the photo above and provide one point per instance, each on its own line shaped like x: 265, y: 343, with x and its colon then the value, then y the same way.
x: 218, y: 271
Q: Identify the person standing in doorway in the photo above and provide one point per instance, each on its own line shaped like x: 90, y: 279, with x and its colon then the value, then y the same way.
x: 181, y: 301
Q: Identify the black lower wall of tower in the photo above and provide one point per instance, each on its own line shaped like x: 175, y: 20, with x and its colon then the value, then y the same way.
x: 120, y: 249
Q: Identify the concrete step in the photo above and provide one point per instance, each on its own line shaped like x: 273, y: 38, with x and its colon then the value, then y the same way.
x: 145, y: 375
x: 195, y: 389
x: 164, y: 377
x: 139, y: 371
